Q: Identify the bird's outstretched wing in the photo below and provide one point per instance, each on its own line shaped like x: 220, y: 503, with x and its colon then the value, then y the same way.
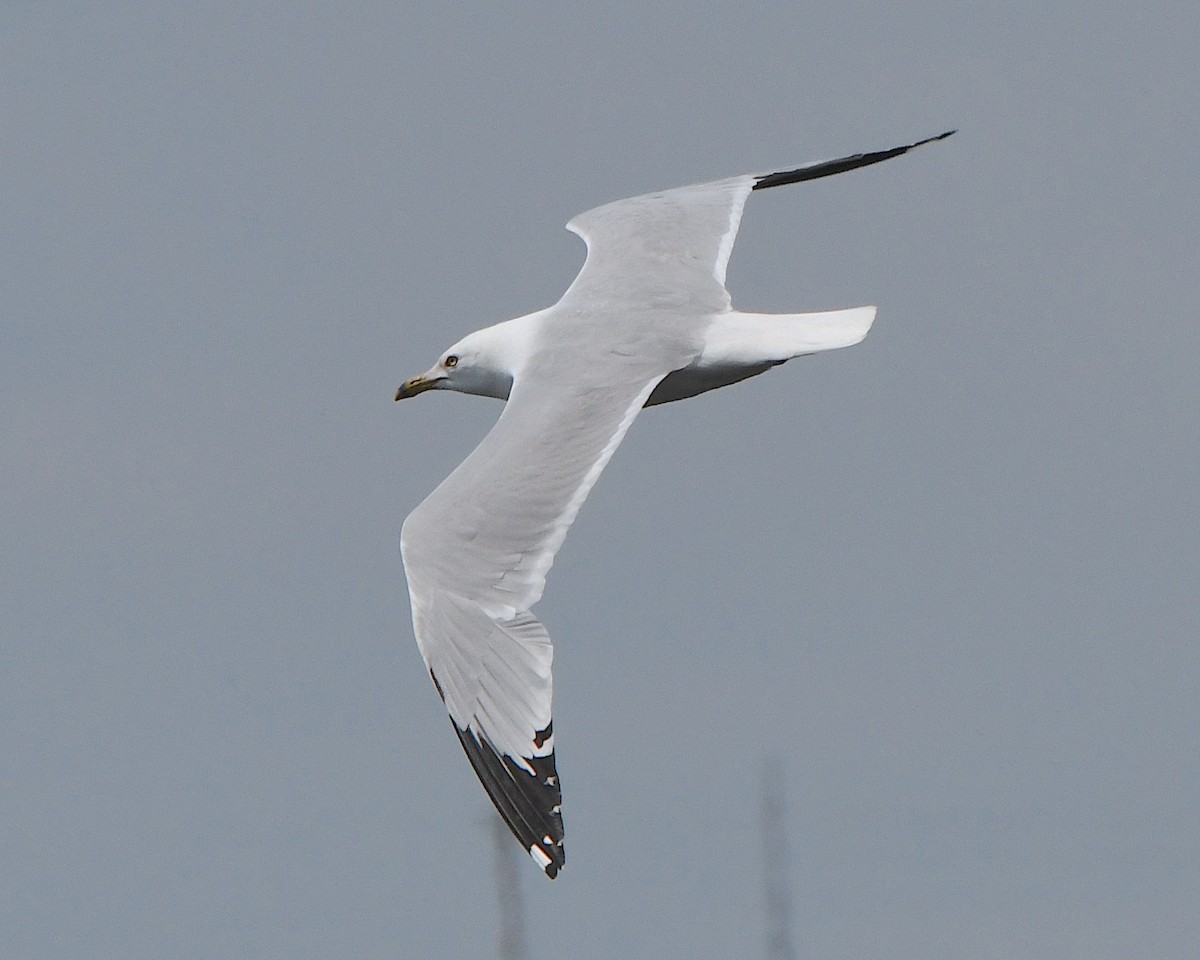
x: 673, y: 247
x: 476, y: 553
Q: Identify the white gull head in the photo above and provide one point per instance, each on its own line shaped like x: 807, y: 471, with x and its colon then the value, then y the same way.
x: 482, y: 363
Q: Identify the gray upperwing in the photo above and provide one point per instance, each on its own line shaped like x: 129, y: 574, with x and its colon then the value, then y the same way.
x: 671, y: 248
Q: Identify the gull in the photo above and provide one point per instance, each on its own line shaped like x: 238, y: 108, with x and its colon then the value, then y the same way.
x: 648, y: 320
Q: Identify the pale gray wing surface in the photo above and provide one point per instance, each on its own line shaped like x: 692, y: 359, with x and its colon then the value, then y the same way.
x: 672, y: 248
x: 666, y: 249
x: 476, y: 553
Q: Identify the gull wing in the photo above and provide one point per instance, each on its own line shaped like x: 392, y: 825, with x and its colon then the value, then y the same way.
x: 476, y: 553
x: 667, y: 249
x: 672, y: 248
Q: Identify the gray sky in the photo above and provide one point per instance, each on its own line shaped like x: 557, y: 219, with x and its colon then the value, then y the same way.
x: 947, y: 576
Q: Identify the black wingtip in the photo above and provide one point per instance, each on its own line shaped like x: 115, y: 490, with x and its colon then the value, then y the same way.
x: 827, y: 168
x: 529, y: 803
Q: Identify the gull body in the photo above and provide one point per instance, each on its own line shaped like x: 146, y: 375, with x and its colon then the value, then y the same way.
x: 647, y: 321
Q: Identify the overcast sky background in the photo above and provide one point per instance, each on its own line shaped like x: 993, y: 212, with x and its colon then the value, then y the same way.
x: 948, y: 577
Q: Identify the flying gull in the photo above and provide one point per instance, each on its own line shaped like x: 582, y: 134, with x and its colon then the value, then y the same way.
x: 647, y: 320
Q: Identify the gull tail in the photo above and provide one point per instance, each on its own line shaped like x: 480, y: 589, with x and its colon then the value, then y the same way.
x: 745, y: 339
x: 738, y: 346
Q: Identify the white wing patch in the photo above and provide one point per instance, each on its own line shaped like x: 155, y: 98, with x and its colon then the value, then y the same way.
x: 725, y: 248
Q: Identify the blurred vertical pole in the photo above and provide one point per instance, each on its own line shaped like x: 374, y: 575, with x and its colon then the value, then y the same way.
x: 508, y: 886
x: 775, y: 864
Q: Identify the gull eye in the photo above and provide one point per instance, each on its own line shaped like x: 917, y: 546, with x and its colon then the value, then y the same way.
x: 450, y: 362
